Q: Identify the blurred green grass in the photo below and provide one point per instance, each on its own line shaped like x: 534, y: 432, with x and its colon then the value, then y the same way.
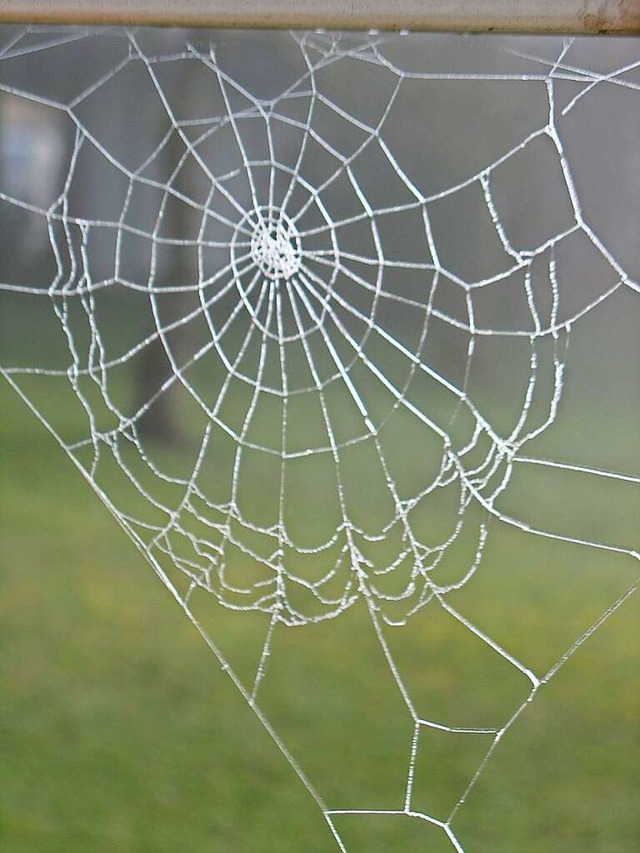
x: 121, y: 732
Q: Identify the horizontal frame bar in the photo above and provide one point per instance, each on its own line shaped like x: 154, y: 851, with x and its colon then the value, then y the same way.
x: 618, y: 17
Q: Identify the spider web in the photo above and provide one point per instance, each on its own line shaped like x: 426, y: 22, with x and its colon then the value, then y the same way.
x: 344, y: 279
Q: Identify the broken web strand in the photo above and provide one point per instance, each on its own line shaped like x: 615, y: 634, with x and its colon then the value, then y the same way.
x: 294, y: 294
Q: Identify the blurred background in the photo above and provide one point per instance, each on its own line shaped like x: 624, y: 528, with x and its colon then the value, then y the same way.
x: 121, y: 730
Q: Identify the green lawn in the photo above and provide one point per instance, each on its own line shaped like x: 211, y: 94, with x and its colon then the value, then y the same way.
x: 120, y: 732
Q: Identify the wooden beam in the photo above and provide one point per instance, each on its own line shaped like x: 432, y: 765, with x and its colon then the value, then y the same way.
x: 620, y: 17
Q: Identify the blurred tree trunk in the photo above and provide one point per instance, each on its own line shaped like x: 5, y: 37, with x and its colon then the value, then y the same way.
x: 161, y: 422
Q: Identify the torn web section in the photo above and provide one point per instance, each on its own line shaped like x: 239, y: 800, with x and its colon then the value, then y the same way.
x: 332, y: 343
